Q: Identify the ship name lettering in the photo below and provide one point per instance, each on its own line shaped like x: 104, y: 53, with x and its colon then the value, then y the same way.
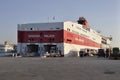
x: 49, y: 35
x: 33, y: 35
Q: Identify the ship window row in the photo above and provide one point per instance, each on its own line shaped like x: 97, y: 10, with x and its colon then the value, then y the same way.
x: 38, y: 28
x: 75, y: 32
x: 103, y: 42
x: 84, y: 31
x: 78, y: 28
x: 85, y: 35
x: 103, y: 39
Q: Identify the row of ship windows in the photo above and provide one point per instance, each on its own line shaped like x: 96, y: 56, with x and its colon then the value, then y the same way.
x: 39, y: 29
x: 103, y: 42
x: 68, y: 29
x: 86, y: 29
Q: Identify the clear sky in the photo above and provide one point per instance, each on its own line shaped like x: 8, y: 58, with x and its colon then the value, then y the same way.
x: 102, y: 15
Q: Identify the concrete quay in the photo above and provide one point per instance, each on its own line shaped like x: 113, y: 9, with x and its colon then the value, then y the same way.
x: 36, y: 68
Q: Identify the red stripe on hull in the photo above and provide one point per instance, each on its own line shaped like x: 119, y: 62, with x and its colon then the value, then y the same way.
x: 79, y: 40
x: 58, y: 36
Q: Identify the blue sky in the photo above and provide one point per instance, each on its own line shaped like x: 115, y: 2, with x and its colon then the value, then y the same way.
x: 102, y: 15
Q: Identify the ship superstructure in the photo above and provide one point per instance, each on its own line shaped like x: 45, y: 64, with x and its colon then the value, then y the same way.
x: 64, y: 38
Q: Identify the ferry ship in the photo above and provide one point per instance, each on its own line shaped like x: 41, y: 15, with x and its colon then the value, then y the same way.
x: 63, y: 38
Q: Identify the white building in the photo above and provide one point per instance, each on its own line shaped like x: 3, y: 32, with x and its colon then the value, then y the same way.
x: 6, y: 48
